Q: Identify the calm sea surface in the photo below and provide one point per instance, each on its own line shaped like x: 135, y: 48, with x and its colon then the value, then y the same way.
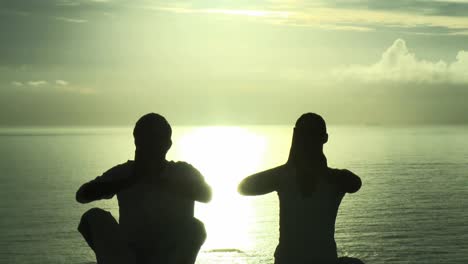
x: 412, y: 208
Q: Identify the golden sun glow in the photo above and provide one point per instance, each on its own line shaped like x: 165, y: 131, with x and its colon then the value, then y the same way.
x: 224, y: 155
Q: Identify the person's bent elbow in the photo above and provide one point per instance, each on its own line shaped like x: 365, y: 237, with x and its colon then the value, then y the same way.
x: 206, y: 195
x: 241, y: 189
x: 80, y: 196
x: 356, y: 184
x: 244, y: 189
x: 85, y: 194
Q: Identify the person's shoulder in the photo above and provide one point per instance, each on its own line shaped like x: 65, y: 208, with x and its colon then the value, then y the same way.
x: 348, y: 181
x: 280, y: 175
x: 341, y: 172
x: 182, y: 169
x: 118, y: 171
x: 180, y: 165
x: 274, y: 172
x: 283, y: 170
x: 122, y: 166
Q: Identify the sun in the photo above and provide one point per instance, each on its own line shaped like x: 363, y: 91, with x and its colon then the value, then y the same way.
x: 224, y: 155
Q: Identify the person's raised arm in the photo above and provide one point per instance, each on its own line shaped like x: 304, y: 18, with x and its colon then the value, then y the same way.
x: 103, y: 187
x: 198, y: 191
x: 88, y: 192
x: 260, y: 183
x: 95, y: 190
x: 183, y: 179
x: 347, y: 180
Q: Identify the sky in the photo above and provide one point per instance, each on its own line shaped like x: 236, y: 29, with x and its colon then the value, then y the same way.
x: 233, y: 62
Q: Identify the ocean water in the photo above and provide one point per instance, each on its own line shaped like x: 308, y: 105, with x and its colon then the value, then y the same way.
x: 412, y: 207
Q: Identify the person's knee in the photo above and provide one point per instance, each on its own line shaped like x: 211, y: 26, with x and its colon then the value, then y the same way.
x: 94, y: 212
x: 190, y: 239
x: 199, y: 232
x: 92, y: 221
x: 92, y: 215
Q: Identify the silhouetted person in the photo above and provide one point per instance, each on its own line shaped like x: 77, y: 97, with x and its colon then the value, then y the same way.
x: 309, y: 195
x: 156, y: 204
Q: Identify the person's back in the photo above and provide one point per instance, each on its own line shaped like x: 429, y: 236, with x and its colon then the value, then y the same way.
x: 309, y: 194
x: 156, y: 204
x: 307, y: 222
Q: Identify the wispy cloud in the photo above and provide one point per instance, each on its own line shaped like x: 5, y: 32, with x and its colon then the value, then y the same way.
x: 373, y: 18
x: 398, y: 64
x: 37, y: 83
x: 79, y: 2
x: 350, y: 15
x: 17, y: 84
x: 78, y: 90
x: 67, y: 3
x: 460, y: 33
x: 71, y: 20
x: 54, y: 86
x: 61, y: 82
x: 254, y: 13
x: 237, y: 12
x: 290, y: 18
x: 65, y: 86
x: 70, y: 11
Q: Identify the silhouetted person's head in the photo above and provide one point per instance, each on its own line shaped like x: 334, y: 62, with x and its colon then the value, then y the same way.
x: 310, y: 133
x: 152, y: 134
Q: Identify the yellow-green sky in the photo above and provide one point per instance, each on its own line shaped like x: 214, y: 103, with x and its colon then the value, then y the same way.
x: 105, y: 62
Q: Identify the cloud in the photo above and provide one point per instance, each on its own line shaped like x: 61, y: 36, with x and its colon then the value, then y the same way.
x: 65, y: 86
x: 423, y: 7
x: 290, y: 18
x: 70, y: 11
x: 75, y: 89
x: 60, y: 86
x: 61, y: 82
x: 343, y: 15
x: 349, y: 15
x: 378, y: 19
x: 37, y: 83
x: 236, y: 12
x: 71, y: 20
x: 398, y: 64
x: 18, y: 84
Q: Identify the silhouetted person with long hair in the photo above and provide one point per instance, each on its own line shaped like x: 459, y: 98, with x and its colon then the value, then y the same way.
x: 309, y: 195
x: 156, y: 204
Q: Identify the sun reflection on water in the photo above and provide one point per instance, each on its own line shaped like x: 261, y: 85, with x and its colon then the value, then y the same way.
x: 224, y: 155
